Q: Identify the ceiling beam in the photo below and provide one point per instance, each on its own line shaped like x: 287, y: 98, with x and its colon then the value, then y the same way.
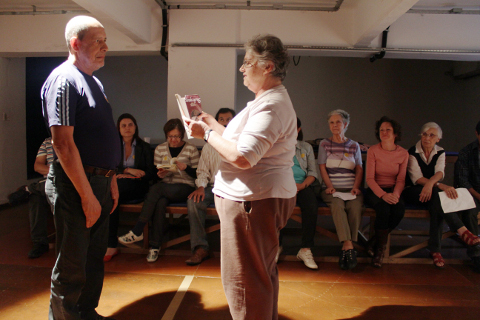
x: 371, y: 17
x: 133, y: 18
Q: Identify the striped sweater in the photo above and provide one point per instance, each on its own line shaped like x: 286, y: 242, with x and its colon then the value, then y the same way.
x: 189, y: 156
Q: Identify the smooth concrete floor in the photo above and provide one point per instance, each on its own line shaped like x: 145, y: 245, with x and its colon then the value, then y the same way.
x: 135, y: 289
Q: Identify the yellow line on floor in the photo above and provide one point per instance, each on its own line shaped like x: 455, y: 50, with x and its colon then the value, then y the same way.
x: 177, y: 299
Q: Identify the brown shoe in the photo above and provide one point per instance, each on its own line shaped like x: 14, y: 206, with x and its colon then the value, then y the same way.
x: 198, y: 257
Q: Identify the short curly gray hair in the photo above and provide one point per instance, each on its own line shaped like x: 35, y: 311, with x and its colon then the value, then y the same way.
x: 78, y: 27
x: 342, y: 113
x: 432, y: 125
x: 270, y: 48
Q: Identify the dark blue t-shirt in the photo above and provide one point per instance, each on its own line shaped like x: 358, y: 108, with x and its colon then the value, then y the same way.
x: 73, y: 98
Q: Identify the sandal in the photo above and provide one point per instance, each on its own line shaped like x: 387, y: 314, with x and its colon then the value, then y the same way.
x: 470, y: 239
x: 438, y: 261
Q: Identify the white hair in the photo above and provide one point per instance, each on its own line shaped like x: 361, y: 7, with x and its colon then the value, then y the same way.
x: 431, y: 125
x: 342, y: 113
x: 78, y: 26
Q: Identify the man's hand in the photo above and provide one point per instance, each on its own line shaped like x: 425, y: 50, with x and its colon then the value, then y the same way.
x: 197, y: 195
x: 114, y: 192
x: 92, y: 209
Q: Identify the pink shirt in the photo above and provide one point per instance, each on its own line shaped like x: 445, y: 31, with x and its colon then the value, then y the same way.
x: 386, y: 169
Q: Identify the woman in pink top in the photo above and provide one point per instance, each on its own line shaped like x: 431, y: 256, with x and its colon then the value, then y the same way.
x: 386, y: 169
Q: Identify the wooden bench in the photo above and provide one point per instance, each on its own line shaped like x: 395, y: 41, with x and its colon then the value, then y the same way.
x: 323, y: 210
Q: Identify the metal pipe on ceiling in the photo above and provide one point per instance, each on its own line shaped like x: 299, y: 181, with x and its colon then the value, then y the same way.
x: 329, y: 48
x: 248, y: 6
x: 34, y: 12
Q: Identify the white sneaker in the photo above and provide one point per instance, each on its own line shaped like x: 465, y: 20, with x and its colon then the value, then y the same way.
x: 280, y: 249
x: 306, y: 256
x: 152, y: 255
x: 130, y: 238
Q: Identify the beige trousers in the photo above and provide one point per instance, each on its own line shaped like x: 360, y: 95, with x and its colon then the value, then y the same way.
x: 347, y: 215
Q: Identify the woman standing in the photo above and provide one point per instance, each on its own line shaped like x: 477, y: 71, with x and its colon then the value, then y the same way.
x: 174, y: 186
x: 426, y: 168
x: 254, y: 188
x: 136, y: 170
x: 386, y: 169
x: 340, y: 162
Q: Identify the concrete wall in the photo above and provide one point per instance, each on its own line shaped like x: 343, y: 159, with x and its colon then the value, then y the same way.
x: 412, y: 92
x: 13, y: 151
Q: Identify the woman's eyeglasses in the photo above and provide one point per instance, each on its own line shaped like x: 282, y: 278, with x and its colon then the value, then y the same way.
x: 428, y: 135
x: 174, y: 137
x: 248, y: 64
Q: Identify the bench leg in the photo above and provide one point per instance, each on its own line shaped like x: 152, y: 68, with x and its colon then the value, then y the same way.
x: 145, y: 237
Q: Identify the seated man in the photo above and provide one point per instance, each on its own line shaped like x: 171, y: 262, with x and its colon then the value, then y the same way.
x: 39, y: 208
x: 200, y: 199
x: 467, y: 175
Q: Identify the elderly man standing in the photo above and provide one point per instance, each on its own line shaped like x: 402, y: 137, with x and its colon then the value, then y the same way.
x: 467, y: 175
x: 81, y: 183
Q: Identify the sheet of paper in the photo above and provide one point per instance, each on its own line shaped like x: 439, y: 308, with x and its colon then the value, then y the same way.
x: 463, y: 202
x: 345, y: 196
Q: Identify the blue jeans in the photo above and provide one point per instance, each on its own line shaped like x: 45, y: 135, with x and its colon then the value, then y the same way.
x: 197, y: 212
x: 77, y: 277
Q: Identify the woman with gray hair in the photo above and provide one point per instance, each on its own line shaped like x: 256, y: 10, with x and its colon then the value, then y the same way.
x: 340, y: 163
x: 254, y: 188
x: 426, y: 168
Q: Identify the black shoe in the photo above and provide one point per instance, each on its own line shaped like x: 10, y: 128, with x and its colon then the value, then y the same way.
x: 476, y: 264
x: 19, y: 196
x: 342, y: 261
x: 38, y: 250
x: 351, y: 259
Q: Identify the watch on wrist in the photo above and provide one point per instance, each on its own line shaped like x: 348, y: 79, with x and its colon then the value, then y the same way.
x: 207, y: 134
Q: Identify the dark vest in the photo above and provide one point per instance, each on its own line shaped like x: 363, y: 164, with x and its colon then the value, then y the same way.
x: 428, y: 170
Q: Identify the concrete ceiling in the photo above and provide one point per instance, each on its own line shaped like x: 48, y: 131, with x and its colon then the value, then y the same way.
x: 47, y: 5
x: 133, y: 19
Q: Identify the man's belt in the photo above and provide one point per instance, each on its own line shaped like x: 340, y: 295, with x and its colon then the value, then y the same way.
x: 99, y: 171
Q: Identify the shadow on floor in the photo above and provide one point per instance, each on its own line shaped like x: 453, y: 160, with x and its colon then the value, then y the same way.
x: 155, y: 306
x: 393, y: 312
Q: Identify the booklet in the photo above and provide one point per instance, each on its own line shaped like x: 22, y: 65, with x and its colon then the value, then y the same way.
x: 463, y: 202
x: 190, y: 107
x: 345, y: 196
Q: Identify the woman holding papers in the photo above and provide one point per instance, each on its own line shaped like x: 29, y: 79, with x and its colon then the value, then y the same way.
x: 426, y: 167
x: 386, y: 169
x: 340, y: 163
x: 254, y: 187
x: 177, y: 162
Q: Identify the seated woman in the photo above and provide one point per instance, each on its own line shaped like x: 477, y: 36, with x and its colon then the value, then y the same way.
x: 340, y: 162
x: 175, y: 185
x: 426, y: 167
x: 136, y: 170
x: 305, y: 175
x: 386, y: 169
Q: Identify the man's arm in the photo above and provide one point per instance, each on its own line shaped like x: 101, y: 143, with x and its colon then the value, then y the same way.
x: 67, y: 152
x: 41, y: 166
